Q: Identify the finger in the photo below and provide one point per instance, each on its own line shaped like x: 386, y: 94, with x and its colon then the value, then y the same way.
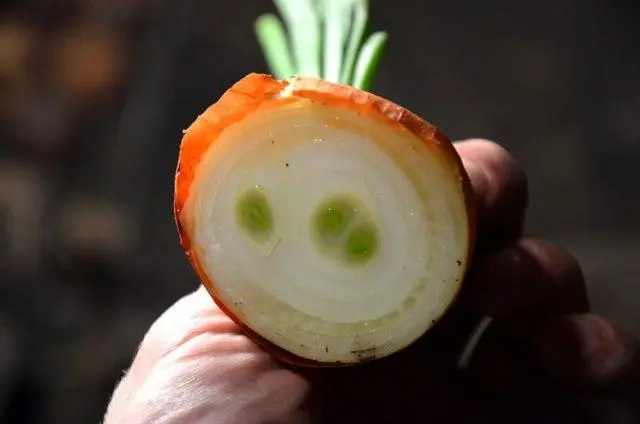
x: 530, y: 278
x: 587, y: 350
x: 500, y: 186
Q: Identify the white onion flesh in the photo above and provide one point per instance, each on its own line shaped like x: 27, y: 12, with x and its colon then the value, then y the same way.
x: 286, y: 290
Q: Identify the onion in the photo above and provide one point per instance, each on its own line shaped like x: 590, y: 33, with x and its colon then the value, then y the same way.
x: 332, y: 225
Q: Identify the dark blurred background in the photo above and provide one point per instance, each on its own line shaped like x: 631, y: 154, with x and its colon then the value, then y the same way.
x: 94, y: 95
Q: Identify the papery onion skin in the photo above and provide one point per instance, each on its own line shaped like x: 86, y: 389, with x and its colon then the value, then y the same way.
x: 261, y: 92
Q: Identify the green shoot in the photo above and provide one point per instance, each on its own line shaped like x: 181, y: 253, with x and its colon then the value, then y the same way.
x: 325, y: 39
x: 369, y: 59
x: 303, y: 24
x: 336, y: 27
x: 360, y: 17
x: 273, y: 41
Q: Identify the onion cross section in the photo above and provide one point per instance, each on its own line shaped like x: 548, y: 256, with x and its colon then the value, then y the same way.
x: 334, y: 226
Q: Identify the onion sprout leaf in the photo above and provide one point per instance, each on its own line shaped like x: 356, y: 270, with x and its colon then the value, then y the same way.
x: 325, y: 39
x: 336, y: 31
x: 359, y: 19
x: 369, y: 60
x: 303, y: 24
x: 273, y: 41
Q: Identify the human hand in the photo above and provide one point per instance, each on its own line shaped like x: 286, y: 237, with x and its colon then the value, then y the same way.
x: 196, y: 366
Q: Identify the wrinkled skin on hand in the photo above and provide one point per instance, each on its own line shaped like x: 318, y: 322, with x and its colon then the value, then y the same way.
x: 196, y: 366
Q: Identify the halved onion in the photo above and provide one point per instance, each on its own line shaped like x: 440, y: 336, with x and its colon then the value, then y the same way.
x: 334, y: 226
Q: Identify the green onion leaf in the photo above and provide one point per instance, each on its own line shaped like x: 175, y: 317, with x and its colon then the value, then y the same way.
x: 273, y: 41
x: 303, y: 25
x: 368, y: 60
x: 336, y: 30
x: 323, y: 39
x: 359, y: 17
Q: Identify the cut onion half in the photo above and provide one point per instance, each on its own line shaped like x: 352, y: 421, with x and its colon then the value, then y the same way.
x: 332, y: 225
